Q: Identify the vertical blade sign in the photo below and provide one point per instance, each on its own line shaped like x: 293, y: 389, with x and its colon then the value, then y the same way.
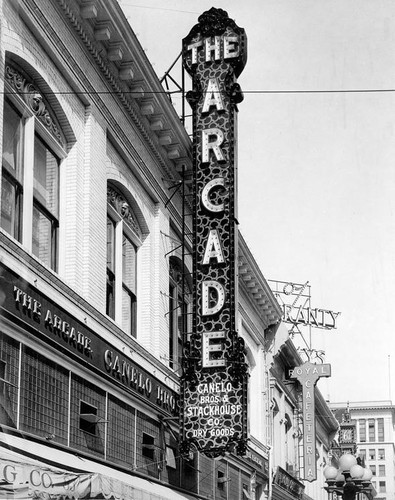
x: 214, y: 382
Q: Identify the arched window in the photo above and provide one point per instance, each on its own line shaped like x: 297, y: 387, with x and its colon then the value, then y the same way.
x: 123, y: 241
x: 33, y: 147
x: 179, y: 293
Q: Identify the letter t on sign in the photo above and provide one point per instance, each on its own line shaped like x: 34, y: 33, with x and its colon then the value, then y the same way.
x: 307, y: 375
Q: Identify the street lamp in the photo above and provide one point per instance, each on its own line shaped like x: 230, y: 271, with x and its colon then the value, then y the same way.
x: 349, y: 480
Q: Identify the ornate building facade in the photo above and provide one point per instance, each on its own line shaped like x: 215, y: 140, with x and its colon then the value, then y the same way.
x: 95, y: 262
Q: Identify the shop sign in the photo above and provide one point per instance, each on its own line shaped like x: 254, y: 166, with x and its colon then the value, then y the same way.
x: 44, y: 317
x: 288, y: 483
x: 260, y: 463
x: 318, y: 318
x: 214, y: 386
x: 24, y: 481
x: 308, y: 375
x: 294, y: 299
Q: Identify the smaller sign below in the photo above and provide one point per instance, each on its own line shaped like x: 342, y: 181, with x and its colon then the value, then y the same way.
x: 307, y: 375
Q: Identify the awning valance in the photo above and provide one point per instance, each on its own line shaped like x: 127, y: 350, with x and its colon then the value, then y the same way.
x: 25, y: 478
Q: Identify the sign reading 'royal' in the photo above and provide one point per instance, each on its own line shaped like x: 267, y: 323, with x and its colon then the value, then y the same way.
x: 307, y: 375
x: 214, y: 386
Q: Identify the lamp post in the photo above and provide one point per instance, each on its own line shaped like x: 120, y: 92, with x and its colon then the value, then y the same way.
x: 350, y: 481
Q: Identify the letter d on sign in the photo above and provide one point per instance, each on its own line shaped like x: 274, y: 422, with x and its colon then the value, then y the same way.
x: 212, y: 291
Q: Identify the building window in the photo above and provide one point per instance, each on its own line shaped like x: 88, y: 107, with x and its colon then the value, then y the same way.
x: 171, y: 458
x: 33, y: 147
x: 179, y: 293
x: 148, y: 448
x: 129, y: 283
x: 380, y: 430
x: 246, y: 492
x: 382, y: 487
x: 362, y: 430
x: 120, y: 431
x: 123, y: 241
x: 381, y: 454
x: 373, y: 469
x: 372, y: 454
x: 221, y: 480
x: 372, y: 430
x: 381, y: 470
x: 110, y: 302
x: 45, y: 203
x: 362, y: 456
x: 12, y: 172
x: 9, y: 381
x: 44, y: 387
x: 149, y: 445
x: 88, y: 417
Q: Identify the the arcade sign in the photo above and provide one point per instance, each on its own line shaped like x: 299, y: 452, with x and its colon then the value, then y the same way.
x: 214, y: 386
x: 308, y: 375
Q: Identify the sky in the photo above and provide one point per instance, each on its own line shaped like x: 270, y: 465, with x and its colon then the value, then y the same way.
x: 316, y: 162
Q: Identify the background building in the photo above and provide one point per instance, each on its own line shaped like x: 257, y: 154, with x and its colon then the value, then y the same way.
x: 375, y: 439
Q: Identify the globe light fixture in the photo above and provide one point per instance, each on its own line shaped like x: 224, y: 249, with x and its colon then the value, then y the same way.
x: 349, y: 481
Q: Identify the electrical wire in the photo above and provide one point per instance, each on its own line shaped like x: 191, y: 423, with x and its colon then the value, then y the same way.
x: 167, y: 92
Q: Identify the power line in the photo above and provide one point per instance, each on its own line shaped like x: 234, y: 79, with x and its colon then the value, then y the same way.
x: 110, y: 92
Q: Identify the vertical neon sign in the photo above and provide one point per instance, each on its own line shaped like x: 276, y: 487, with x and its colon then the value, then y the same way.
x: 214, y: 383
x: 307, y: 375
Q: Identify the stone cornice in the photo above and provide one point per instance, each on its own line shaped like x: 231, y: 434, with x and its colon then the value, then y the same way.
x: 158, y: 94
x: 256, y: 287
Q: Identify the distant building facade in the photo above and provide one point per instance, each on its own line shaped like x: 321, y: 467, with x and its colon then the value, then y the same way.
x: 375, y: 439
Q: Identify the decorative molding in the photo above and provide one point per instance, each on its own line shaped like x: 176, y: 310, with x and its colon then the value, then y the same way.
x: 126, y: 72
x: 34, y: 100
x: 115, y: 52
x: 123, y: 208
x: 89, y: 10
x: 103, y: 31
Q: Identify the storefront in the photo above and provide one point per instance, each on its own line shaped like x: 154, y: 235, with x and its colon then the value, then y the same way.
x: 80, y: 419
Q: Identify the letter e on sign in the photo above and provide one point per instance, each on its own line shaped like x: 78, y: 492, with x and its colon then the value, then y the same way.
x: 212, y: 346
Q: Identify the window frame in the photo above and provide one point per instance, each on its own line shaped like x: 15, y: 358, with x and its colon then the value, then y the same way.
x: 179, y: 306
x: 121, y: 228
x: 362, y: 430
x: 371, y: 430
x: 32, y: 127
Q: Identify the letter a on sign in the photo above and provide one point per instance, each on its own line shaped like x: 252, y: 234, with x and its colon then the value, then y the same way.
x: 212, y: 97
x: 213, y: 248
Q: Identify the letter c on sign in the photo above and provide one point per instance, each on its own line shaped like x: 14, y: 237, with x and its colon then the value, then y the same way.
x: 220, y: 181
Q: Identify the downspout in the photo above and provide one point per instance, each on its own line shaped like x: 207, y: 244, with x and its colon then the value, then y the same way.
x: 270, y: 483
